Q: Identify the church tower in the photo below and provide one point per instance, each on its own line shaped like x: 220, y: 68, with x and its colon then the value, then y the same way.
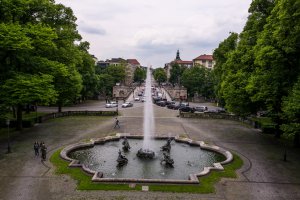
x: 177, y: 55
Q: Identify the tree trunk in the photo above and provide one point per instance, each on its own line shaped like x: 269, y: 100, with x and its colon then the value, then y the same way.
x: 296, y: 140
x: 19, y: 117
x: 14, y: 112
x: 59, y: 108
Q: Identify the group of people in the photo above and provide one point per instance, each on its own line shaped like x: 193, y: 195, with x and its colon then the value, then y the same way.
x: 40, y: 147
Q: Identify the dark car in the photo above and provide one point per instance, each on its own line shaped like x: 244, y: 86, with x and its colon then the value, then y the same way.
x: 170, y: 102
x: 171, y: 106
x: 181, y: 105
x: 187, y: 109
x: 161, y: 103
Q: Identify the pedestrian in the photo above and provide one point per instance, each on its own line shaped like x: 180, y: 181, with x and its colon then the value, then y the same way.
x: 36, y: 147
x: 43, y: 151
x: 117, y: 123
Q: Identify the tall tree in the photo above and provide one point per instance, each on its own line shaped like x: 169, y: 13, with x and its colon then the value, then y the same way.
x: 291, y: 114
x: 117, y: 72
x: 160, y: 75
x: 176, y: 73
x: 221, y: 55
x: 24, y: 89
x: 241, y: 62
x: 277, y: 57
x: 139, y: 75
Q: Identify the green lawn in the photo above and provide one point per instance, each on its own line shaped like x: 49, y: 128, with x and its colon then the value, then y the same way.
x: 206, y: 182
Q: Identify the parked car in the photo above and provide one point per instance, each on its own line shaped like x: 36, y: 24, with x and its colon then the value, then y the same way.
x: 111, y: 104
x: 170, y: 102
x: 137, y: 98
x: 143, y: 99
x: 201, y: 108
x: 184, y: 104
x: 127, y: 104
x: 171, y: 106
x: 187, y: 109
x: 181, y: 105
x: 161, y: 103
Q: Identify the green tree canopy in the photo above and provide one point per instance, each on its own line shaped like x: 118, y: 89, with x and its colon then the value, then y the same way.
x: 24, y: 89
x: 139, y: 75
x: 160, y: 75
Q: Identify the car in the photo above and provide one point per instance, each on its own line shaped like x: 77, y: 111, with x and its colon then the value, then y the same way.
x: 111, y: 104
x: 187, y: 109
x: 161, y: 103
x: 170, y: 102
x: 127, y: 104
x: 184, y: 104
x: 137, y: 98
x: 201, y: 108
x: 171, y: 106
x: 181, y: 105
x: 143, y: 99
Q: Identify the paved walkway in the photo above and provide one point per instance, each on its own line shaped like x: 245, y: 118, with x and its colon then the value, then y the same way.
x: 263, y: 176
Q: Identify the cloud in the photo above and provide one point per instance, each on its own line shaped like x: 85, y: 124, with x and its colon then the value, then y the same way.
x: 90, y: 29
x: 152, y: 31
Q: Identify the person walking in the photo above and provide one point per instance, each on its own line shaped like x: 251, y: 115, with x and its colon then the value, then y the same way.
x: 44, y: 151
x: 117, y: 123
x: 36, y: 147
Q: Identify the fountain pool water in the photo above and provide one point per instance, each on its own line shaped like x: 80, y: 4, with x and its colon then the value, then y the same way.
x: 187, y: 160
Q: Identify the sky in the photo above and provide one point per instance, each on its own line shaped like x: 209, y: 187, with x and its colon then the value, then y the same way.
x: 153, y: 31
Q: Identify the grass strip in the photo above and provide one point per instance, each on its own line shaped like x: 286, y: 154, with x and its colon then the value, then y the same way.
x: 206, y: 185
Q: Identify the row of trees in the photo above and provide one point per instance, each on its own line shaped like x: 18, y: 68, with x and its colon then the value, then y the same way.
x: 197, y: 79
x: 259, y: 69
x: 43, y: 60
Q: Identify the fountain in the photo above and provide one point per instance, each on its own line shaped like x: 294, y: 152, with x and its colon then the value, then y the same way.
x: 156, y: 162
x: 126, y: 145
x: 146, y: 152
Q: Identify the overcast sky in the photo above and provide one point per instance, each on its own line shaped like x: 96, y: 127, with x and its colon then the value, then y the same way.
x: 152, y: 31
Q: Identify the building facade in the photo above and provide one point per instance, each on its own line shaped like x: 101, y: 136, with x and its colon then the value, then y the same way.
x: 204, y: 60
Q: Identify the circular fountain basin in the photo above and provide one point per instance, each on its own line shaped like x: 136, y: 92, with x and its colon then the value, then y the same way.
x: 191, y: 160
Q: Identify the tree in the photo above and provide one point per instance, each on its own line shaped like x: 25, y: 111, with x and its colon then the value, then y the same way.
x: 160, y: 75
x: 25, y: 89
x: 277, y: 58
x: 291, y: 114
x: 176, y: 73
x: 240, y: 63
x: 117, y: 72
x: 197, y: 80
x: 139, y: 75
x: 221, y: 55
x: 106, y: 83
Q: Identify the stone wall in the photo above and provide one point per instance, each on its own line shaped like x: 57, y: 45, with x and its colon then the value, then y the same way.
x: 122, y: 92
x: 177, y: 93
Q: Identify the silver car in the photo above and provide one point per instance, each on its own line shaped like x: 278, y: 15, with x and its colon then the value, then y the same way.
x: 111, y: 104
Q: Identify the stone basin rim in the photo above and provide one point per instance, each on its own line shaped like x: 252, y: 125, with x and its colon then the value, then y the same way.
x: 98, y: 176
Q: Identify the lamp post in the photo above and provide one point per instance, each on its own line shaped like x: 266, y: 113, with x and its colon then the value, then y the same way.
x: 117, y: 107
x: 8, y: 139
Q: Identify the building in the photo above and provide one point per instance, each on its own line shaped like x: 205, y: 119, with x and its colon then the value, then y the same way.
x: 132, y: 65
x: 204, y: 60
x: 182, y: 63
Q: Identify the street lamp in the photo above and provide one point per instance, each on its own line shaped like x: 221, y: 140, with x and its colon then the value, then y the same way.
x: 117, y: 106
x: 8, y: 142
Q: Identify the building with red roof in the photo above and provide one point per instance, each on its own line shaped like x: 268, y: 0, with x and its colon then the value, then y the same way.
x: 204, y: 60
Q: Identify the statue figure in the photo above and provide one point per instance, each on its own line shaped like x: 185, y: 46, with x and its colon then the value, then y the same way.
x: 126, y: 145
x: 167, y: 146
x: 169, y: 162
x: 122, y: 160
